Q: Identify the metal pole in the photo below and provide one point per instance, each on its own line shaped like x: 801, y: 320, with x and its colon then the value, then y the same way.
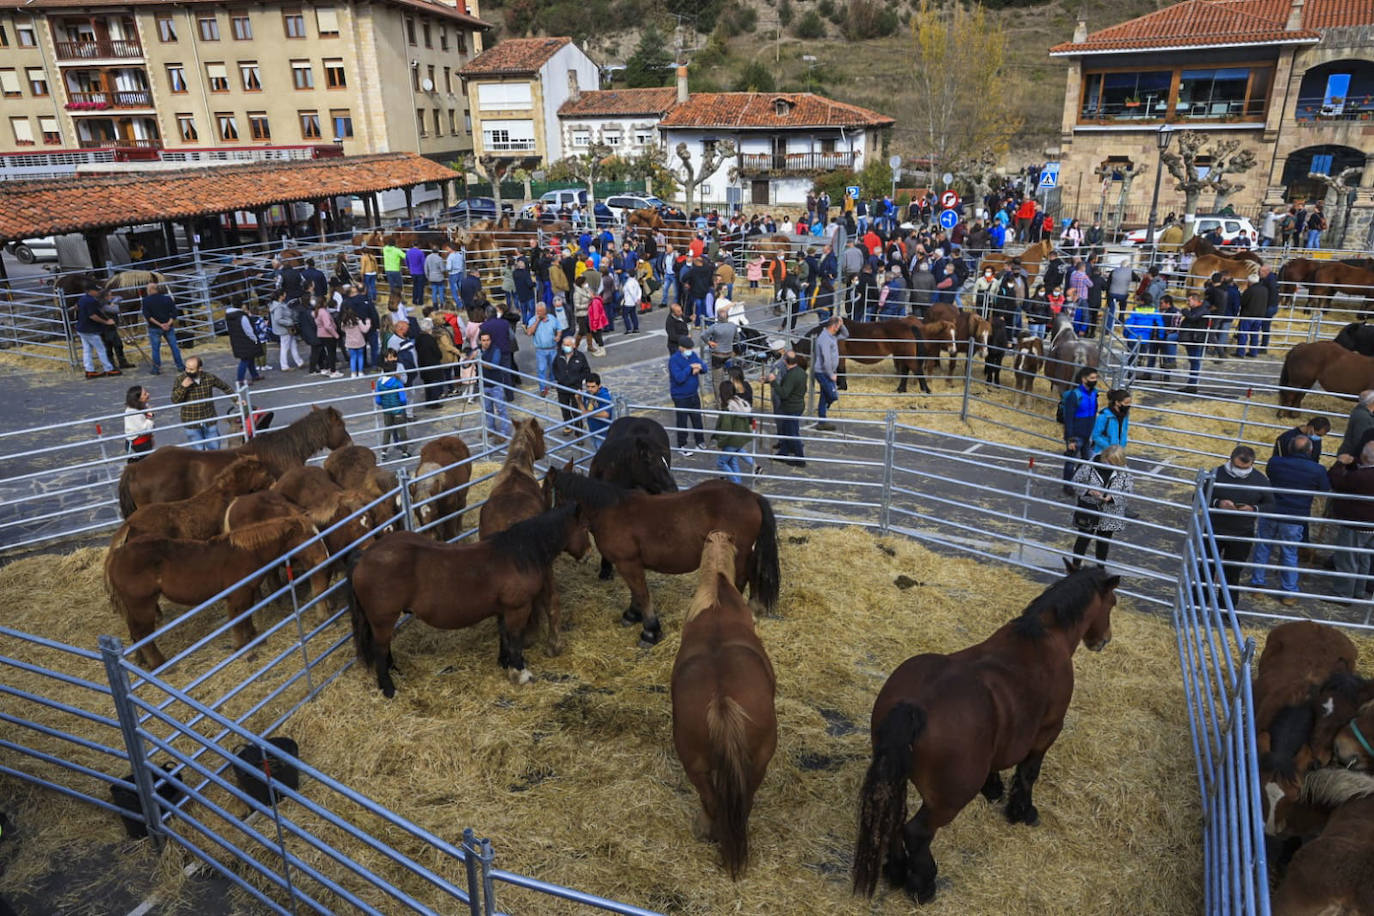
x: 104, y: 456
x: 1025, y: 513
x: 889, y: 451
x: 471, y: 852
x: 968, y: 380
x: 403, y: 478
x: 488, y: 885
x: 246, y: 411
x: 1244, y: 413
x: 128, y: 724
x: 1154, y: 207
x: 300, y: 627
x: 281, y: 838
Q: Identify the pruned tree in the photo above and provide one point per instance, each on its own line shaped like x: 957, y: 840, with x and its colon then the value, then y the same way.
x: 1197, y: 167
x: 1107, y: 172
x: 588, y: 168
x: 977, y: 173
x: 491, y: 169
x: 962, y: 108
x: 692, y: 176
x: 1338, y: 199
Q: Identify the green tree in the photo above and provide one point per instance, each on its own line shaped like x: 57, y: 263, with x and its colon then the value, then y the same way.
x: 650, y: 64
x: 810, y: 26
x: 755, y: 77
x: 701, y: 13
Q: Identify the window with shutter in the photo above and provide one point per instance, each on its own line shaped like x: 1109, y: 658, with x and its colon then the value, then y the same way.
x: 9, y: 84
x: 23, y: 131
x: 327, y: 21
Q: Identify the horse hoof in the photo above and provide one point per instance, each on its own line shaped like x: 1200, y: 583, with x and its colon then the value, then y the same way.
x: 605, y: 575
x: 650, y: 638
x: 631, y: 617
x: 523, y: 677
x: 554, y: 648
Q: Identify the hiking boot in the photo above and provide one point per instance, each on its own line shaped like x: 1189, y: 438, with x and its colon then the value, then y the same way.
x: 125, y: 364
x: 1188, y: 389
x: 114, y: 372
x: 825, y: 427
x: 94, y: 374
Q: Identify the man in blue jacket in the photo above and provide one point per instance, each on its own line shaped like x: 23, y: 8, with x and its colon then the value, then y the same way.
x: 1078, y: 412
x: 1296, y: 478
x: 493, y: 387
x: 1144, y: 329
x: 684, y: 374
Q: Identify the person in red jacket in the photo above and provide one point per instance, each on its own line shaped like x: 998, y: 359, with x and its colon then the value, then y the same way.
x: 1024, y: 214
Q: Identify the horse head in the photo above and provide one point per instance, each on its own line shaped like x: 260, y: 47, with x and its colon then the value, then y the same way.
x: 245, y: 475
x: 1195, y: 245
x: 336, y: 433
x: 979, y: 331
x: 1097, y: 615
x: 1354, y: 744
x: 577, y: 538
x: 649, y: 468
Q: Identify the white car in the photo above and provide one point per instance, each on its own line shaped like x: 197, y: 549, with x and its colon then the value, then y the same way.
x: 30, y: 250
x: 623, y: 204
x: 1231, y: 227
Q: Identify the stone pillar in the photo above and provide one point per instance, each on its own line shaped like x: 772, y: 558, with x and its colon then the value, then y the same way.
x: 1359, y: 228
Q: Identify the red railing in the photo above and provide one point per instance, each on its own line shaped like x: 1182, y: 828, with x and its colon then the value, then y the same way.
x: 119, y: 98
x: 95, y: 48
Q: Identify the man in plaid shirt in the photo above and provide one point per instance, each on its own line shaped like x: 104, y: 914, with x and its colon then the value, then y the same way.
x: 193, y: 390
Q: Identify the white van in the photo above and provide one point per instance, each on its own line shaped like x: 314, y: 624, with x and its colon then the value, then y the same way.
x: 564, y: 197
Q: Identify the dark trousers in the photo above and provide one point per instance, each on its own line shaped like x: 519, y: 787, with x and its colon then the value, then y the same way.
x: 689, y: 413
x: 789, y: 436
x: 1233, y: 556
x: 1194, y: 363
x: 1104, y: 543
x: 417, y: 289
x: 567, y: 402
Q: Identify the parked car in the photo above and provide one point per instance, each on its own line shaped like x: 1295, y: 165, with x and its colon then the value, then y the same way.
x: 471, y: 209
x: 604, y: 215
x: 622, y: 204
x: 30, y: 250
x: 564, y: 197
x: 1231, y: 227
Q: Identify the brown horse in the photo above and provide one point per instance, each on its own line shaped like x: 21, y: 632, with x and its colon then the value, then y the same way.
x: 1330, y: 875
x: 172, y: 472
x: 515, y: 493
x: 440, y: 490
x: 971, y: 333
x: 1332, y: 277
x: 1197, y: 245
x: 262, y: 506
x: 1338, y: 370
x: 201, y: 516
x: 1238, y: 269
x: 1353, y: 747
x: 189, y: 572
x: 1030, y: 258
x: 350, y: 466
x: 1030, y: 355
x: 450, y: 586
x: 910, y: 342
x: 950, y: 723
x: 665, y: 532
x: 1299, y: 657
x: 725, y: 728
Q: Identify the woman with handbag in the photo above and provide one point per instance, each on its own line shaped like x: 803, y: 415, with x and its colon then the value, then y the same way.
x: 1103, y: 486
x: 138, y: 423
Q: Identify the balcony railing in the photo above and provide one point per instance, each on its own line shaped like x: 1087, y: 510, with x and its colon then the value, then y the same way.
x: 119, y: 98
x: 787, y: 163
x: 1157, y: 110
x: 133, y: 143
x: 98, y: 49
x: 508, y: 145
x: 1355, y: 108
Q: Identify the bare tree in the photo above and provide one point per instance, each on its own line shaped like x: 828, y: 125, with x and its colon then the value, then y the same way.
x: 490, y: 169
x: 978, y: 173
x: 711, y: 159
x: 588, y: 168
x: 1241, y: 160
x: 1197, y: 169
x: 1338, y: 199
x: 1107, y: 172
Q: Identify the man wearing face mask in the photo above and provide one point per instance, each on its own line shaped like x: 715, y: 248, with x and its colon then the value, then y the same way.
x: 1299, y: 477
x: 1239, y: 494
x: 1113, y: 424
x: 570, y: 371
x: 1078, y: 413
x: 1313, y: 429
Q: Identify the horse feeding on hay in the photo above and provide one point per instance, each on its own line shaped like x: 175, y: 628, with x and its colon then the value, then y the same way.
x: 201, y: 516
x: 440, y: 491
x: 450, y: 586
x: 950, y: 723
x: 1330, y: 874
x: 666, y: 532
x: 1338, y: 370
x: 172, y: 472
x: 191, y: 571
x: 636, y: 455
x: 971, y: 333
x: 725, y: 728
x: 1066, y: 353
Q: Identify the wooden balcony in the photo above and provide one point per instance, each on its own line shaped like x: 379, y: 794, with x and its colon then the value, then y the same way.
x: 102, y: 100
x: 132, y: 143
x: 98, y: 49
x: 795, y: 163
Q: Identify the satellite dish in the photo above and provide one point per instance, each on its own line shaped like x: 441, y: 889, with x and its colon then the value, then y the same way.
x: 427, y: 84
x: 895, y: 162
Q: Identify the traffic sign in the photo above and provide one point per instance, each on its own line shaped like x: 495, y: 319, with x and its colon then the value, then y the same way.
x: 1049, y: 175
x: 853, y: 191
x: 949, y: 200
x: 949, y: 218
x: 947, y: 179
x: 894, y: 162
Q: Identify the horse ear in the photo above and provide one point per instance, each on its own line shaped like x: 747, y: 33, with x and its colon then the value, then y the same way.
x: 1069, y: 568
x: 1111, y: 583
x: 570, y: 467
x: 314, y: 406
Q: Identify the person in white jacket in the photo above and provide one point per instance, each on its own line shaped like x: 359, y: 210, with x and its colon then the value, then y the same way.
x: 284, y: 326
x: 138, y: 423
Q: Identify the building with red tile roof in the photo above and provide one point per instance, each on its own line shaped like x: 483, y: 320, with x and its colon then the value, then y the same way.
x: 1292, y: 80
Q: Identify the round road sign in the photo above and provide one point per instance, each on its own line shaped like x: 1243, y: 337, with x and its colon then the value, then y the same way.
x: 947, y: 178
x: 949, y: 200
x: 949, y: 218
x: 894, y: 161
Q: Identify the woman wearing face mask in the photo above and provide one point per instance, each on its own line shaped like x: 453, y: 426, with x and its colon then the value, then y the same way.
x: 1103, y: 488
x: 138, y: 423
x: 1113, y: 424
x: 984, y: 291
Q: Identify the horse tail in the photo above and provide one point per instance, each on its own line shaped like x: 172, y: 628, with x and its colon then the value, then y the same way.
x: 126, y: 492
x: 363, y: 641
x: 726, y: 722
x: 765, y: 580
x: 117, y: 602
x: 882, y: 800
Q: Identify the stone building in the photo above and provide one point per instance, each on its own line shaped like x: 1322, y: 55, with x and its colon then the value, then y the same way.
x: 625, y: 120
x: 1293, y: 80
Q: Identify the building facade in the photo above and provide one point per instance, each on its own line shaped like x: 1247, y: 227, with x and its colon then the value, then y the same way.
x: 1292, y: 80
x: 625, y: 120
x: 196, y: 80
x: 514, y: 92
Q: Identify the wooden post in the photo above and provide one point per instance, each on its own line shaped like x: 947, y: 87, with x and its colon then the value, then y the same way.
x: 95, y: 247
x: 410, y: 202
x: 262, y: 225
x: 233, y: 228
x: 190, y: 228
x: 169, y: 236
x: 318, y: 219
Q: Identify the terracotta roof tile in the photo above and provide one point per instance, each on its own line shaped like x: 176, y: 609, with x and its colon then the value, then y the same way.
x: 620, y: 102
x: 1196, y: 23
x: 515, y: 55
x: 760, y: 110
x: 30, y: 209
x: 448, y: 10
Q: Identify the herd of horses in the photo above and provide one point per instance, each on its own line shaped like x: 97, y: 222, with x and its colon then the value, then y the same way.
x: 1314, y: 721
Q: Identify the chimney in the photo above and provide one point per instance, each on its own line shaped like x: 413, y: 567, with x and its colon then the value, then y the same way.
x: 1294, y: 16
x: 682, y: 83
x: 574, y: 92
x: 1080, y: 31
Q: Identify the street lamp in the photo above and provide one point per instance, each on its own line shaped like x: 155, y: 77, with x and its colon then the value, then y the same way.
x: 1162, y: 138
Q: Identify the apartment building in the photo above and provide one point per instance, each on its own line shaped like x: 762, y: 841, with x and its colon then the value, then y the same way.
x: 199, y: 80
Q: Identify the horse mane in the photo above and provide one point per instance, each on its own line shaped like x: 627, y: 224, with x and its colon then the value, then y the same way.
x: 532, y: 544
x: 1333, y: 786
x: 260, y: 534
x: 594, y: 494
x: 296, y: 442
x: 717, y: 560
x: 1064, y: 603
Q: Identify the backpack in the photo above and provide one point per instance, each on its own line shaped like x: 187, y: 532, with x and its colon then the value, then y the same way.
x: 1061, y: 412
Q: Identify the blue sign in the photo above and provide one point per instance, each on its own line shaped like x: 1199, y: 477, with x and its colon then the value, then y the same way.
x: 1049, y: 176
x: 852, y: 191
x: 949, y: 218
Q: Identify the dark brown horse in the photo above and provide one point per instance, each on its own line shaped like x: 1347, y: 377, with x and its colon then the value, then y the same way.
x: 1338, y: 370
x: 971, y: 333
x: 636, y: 455
x: 450, y: 586
x: 440, y: 490
x: 666, y: 533
x: 1066, y: 353
x: 1197, y: 245
x: 1298, y: 658
x: 1330, y: 875
x: 725, y: 728
x: 909, y: 342
x: 172, y: 472
x: 515, y: 493
x: 1353, y: 747
x: 950, y: 723
x: 1028, y: 356
x: 201, y: 516
x: 189, y: 572
x: 1332, y: 277
x: 341, y: 540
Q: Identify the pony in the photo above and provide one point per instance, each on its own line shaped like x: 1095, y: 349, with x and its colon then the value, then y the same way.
x: 950, y: 723
x: 267, y: 504
x: 725, y: 728
x: 350, y: 466
x: 1030, y: 356
x: 1353, y: 746
x: 1338, y: 370
x: 667, y: 532
x: 172, y: 472
x: 201, y: 516
x: 969, y: 327
x: 999, y: 342
x: 1067, y: 352
x: 1199, y: 246
x: 1030, y: 258
x: 636, y: 455
x: 1330, y: 874
x: 450, y: 586
x: 189, y: 572
x: 440, y: 490
x: 1357, y: 336
x: 1299, y: 657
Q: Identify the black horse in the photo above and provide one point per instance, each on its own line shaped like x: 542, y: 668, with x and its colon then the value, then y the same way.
x: 636, y: 454
x: 999, y: 343
x: 1357, y: 336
